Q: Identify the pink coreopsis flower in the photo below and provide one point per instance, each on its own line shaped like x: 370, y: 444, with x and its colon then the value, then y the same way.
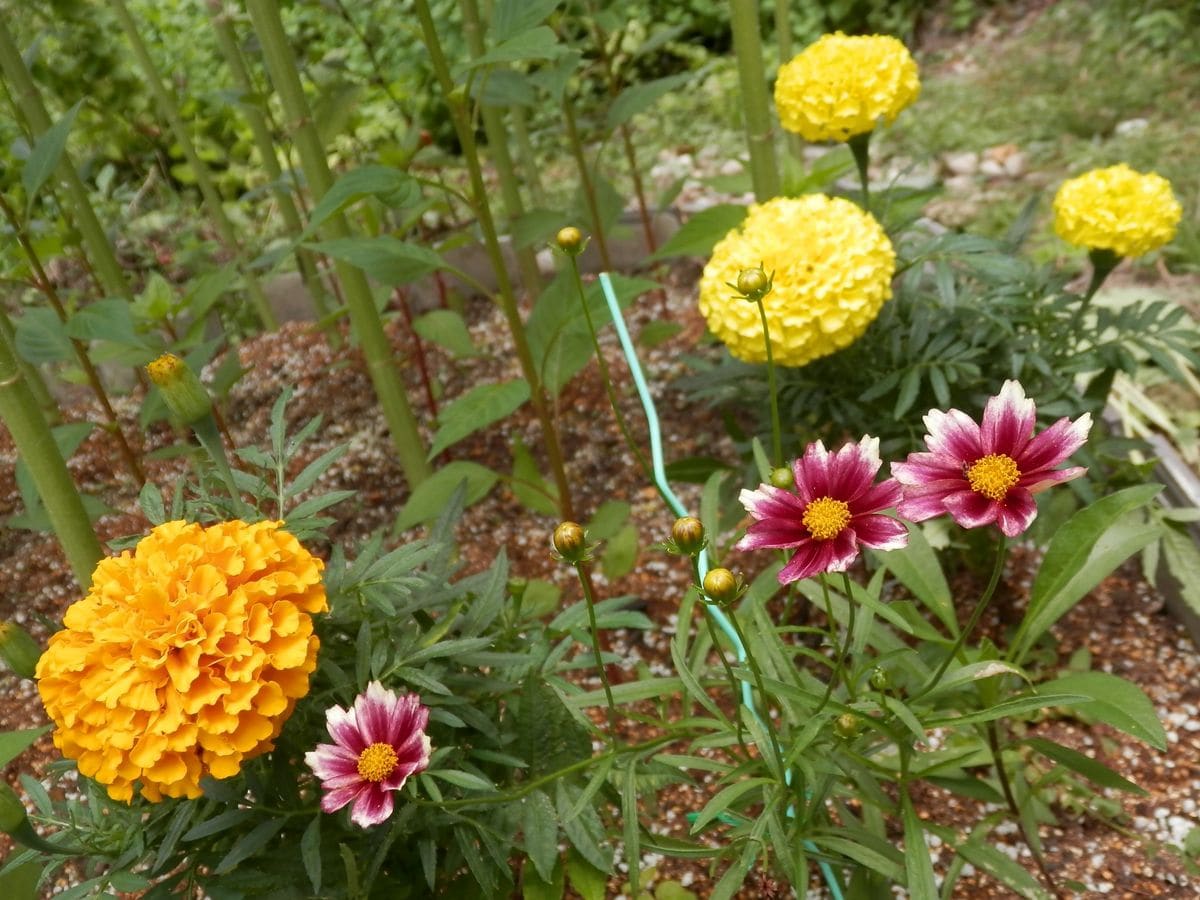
x: 378, y: 743
x: 835, y: 507
x: 988, y: 472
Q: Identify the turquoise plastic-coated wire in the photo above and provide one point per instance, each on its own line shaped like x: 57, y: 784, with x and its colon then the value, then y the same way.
x: 660, y: 478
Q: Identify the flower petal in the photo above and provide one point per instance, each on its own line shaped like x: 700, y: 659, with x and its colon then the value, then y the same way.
x: 1017, y: 512
x: 1054, y: 445
x: 1039, y: 481
x: 927, y: 501
x: 342, y: 725
x: 373, y: 806
x: 953, y: 435
x: 971, y: 510
x: 881, y: 532
x: 920, y: 468
x: 1008, y: 420
x: 810, y: 559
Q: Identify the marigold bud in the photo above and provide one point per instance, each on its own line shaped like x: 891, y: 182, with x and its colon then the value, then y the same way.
x: 181, y: 390
x: 18, y: 649
x: 570, y: 540
x: 721, y: 586
x: 753, y: 284
x: 570, y: 240
x: 783, y: 477
x: 688, y: 535
x: 879, y: 679
x: 847, y: 726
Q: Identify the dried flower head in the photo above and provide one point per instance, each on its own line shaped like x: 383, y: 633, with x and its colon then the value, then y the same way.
x: 1117, y: 209
x: 832, y: 265
x: 842, y: 86
x: 185, y: 658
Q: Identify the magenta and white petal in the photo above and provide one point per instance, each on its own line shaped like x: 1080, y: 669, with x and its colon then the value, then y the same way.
x: 372, y: 807
x: 927, y: 501
x: 1016, y: 513
x: 881, y: 532
x: 971, y: 510
x: 953, y: 435
x: 339, y: 797
x: 1008, y: 420
x: 342, y: 725
x: 809, y: 559
x: 331, y: 761
x: 1040, y: 481
x: 852, y: 469
x: 811, y: 472
x: 921, y: 468
x: 1055, y: 444
x: 878, y: 497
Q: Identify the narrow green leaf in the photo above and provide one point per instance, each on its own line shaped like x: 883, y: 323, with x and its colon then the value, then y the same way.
x: 46, y: 154
x: 310, y: 853
x: 14, y: 743
x: 1115, y: 701
x: 466, y: 780
x: 917, y: 568
x: 1091, y: 769
x: 432, y: 495
x: 630, y: 823
x: 918, y: 866
x: 540, y: 825
x: 724, y: 799
x: 249, y: 844
x: 1014, y: 707
x: 477, y: 409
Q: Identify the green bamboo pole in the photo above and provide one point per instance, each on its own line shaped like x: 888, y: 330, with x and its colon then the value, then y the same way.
x: 760, y: 134
x: 46, y: 286
x: 33, y: 378
x: 29, y: 102
x: 585, y: 180
x: 497, y: 145
x: 169, y: 110
x: 281, y: 66
x: 466, y: 136
x: 265, y: 142
x: 36, y: 447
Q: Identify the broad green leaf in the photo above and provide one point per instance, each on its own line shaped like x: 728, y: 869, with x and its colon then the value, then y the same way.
x: 537, y: 226
x: 386, y: 259
x: 511, y: 17
x: 540, y: 826
x: 528, y: 484
x: 447, y: 329
x: 20, y: 883
x: 14, y: 743
x: 1183, y: 562
x: 1086, y: 766
x: 432, y: 494
x: 533, y: 43
x: 590, y: 882
x: 477, y: 409
x: 1087, y: 549
x: 918, y: 865
x: 535, y: 887
x: 107, y: 320
x: 608, y: 519
x: 42, y: 338
x: 620, y: 553
x: 701, y: 232
x: 392, y: 187
x: 505, y: 87
x: 959, y: 676
x: 695, y: 469
x: 657, y: 332
x: 641, y: 96
x: 46, y: 154
x: 916, y: 567
x: 1116, y: 702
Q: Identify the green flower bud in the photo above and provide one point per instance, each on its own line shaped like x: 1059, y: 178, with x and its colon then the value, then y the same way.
x: 878, y: 679
x: 18, y: 649
x: 570, y: 540
x: 688, y: 535
x: 517, y: 587
x: 181, y: 390
x: 753, y: 284
x: 847, y: 726
x: 570, y: 240
x: 721, y: 586
x: 782, y: 477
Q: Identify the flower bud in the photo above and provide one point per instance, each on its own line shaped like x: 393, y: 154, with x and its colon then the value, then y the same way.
x: 18, y: 650
x: 878, y: 679
x: 570, y: 240
x: 181, y: 390
x: 517, y: 587
x: 721, y: 586
x: 782, y: 477
x: 753, y: 284
x: 847, y: 726
x: 688, y: 535
x: 570, y: 540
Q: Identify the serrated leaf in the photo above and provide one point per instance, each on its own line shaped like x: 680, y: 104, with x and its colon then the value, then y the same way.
x: 447, y: 329
x: 700, y: 233
x: 640, y: 97
x: 548, y: 736
x: 386, y: 259
x: 392, y: 187
x: 540, y: 826
x: 41, y: 338
x: 533, y: 43
x: 432, y: 494
x: 511, y: 17
x: 476, y: 409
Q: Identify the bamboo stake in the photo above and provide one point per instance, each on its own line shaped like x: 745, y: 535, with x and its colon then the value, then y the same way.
x: 760, y: 135
x: 364, y: 316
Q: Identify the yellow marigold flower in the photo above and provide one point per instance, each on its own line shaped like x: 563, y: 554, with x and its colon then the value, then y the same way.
x: 1117, y: 209
x: 185, y: 658
x: 832, y: 265
x: 841, y: 86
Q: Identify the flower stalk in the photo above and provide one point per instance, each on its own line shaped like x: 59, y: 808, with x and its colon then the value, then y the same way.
x: 575, y: 142
x: 368, y: 328
x: 760, y: 133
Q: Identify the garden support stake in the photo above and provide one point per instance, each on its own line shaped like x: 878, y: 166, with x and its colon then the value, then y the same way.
x: 760, y: 133
x: 37, y: 449
x: 377, y: 350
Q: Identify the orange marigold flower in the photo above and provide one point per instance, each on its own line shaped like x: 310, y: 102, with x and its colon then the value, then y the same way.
x: 185, y: 658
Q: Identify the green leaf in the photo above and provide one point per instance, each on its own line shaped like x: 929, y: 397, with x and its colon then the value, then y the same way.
x: 386, y: 259
x: 1085, y: 550
x: 535, y: 887
x: 548, y: 736
x: 432, y: 494
x: 246, y: 846
x: 511, y: 17
x: 528, y: 484
x: 107, y: 320
x: 631, y: 828
x: 540, y: 826
x: 42, y: 338
x: 1116, y: 702
x: 533, y: 43
x: 537, y: 226
x: 620, y: 553
x: 392, y: 187
x: 589, y: 882
x: 477, y: 409
x: 725, y: 798
x: 916, y: 567
x: 657, y: 332
x: 1015, y: 707
x: 695, y: 469
x: 701, y: 232
x: 46, y: 154
x: 310, y: 853
x: 21, y: 882
x: 466, y: 780
x: 1086, y: 766
x: 641, y: 96
x: 14, y: 743
x: 918, y: 865
x: 447, y: 329
x: 609, y: 518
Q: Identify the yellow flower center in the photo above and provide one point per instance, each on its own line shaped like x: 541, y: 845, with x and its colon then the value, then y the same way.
x: 165, y: 369
x: 993, y: 475
x: 825, y: 517
x: 376, y: 762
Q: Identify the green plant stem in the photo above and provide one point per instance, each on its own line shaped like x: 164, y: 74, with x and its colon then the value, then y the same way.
x: 497, y: 146
x: 526, y: 156
x: 860, y: 148
x: 209, y: 437
x: 36, y: 447
x: 364, y: 316
x: 835, y: 644
x: 264, y: 141
x: 1103, y: 262
x: 850, y: 623
x: 760, y: 133
x: 169, y: 110
x: 28, y: 100
x: 46, y: 286
x: 590, y: 601
x: 606, y: 377
x: 735, y: 686
x: 508, y: 303
x: 976, y: 615
x: 33, y: 378
x: 993, y: 736
x: 586, y: 183
x: 776, y: 426
x: 776, y: 750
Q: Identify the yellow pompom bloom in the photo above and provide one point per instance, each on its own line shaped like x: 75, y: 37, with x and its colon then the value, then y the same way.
x: 832, y: 265
x: 1117, y: 209
x: 841, y: 86
x: 185, y: 658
